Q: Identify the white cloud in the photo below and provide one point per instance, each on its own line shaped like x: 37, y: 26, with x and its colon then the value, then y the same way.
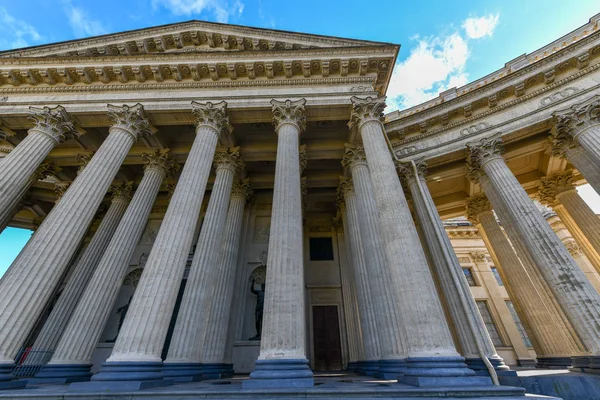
x: 222, y: 10
x: 434, y: 65
x: 81, y: 24
x: 15, y: 33
x: 479, y: 27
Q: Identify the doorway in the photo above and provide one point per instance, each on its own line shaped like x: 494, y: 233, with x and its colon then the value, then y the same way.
x: 326, y: 339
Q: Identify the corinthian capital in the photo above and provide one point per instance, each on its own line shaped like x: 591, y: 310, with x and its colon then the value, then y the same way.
x: 302, y: 156
x: 161, y: 160
x: 554, y: 185
x: 345, y: 188
x: 354, y: 154
x: 83, y: 160
x: 229, y: 158
x: 121, y: 190
x: 45, y: 169
x: 405, y: 169
x: 289, y: 112
x: 367, y: 109
x: 241, y: 188
x: 576, y: 120
x: 477, y: 205
x: 54, y: 122
x: 213, y: 115
x: 130, y: 119
x: 480, y: 153
x: 59, y: 189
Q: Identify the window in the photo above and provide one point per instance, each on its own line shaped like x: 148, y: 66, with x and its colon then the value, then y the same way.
x: 497, y: 276
x: 321, y: 249
x: 518, y: 322
x: 489, y: 323
x: 469, y: 276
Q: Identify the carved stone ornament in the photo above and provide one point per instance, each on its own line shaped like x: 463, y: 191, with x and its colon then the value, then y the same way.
x: 45, y: 169
x: 481, y: 152
x: 477, y: 257
x: 366, y: 109
x: 289, y: 112
x: 170, y: 190
x: 577, y: 119
x: 476, y: 205
x: 573, y: 248
x: 304, y: 192
x: 552, y: 185
x: 241, y: 188
x: 60, y: 188
x: 354, y: 154
x: 133, y: 278
x: 83, y: 160
x: 131, y: 119
x: 213, y: 115
x: 229, y: 158
x: 121, y: 190
x: 405, y: 169
x: 54, y: 122
x: 259, y: 274
x: 162, y: 160
x: 302, y: 155
x: 345, y: 188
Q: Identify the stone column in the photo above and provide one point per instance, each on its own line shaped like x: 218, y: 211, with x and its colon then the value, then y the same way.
x: 564, y: 146
x: 366, y: 306
x: 52, y: 126
x: 215, y: 339
x: 473, y: 337
x: 282, y: 361
x: 353, y: 329
x: 135, y: 362
x: 82, y: 270
x: 384, y: 296
x: 559, y: 193
x: 187, y: 343
x: 582, y: 124
x: 32, y: 277
x: 431, y: 352
x: 7, y: 213
x: 534, y: 239
x: 71, y: 361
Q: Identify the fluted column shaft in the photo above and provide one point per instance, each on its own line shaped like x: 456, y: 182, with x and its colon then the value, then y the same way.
x: 384, y: 296
x: 215, y: 338
x: 470, y: 328
x: 8, y: 213
x: 366, y: 304
x: 145, y: 328
x: 188, y: 340
x: 30, y: 280
x: 82, y: 272
x: 589, y: 139
x: 573, y: 291
x: 585, y: 164
x: 89, y: 318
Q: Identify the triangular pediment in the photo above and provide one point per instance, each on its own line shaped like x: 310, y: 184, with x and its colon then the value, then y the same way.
x: 187, y: 37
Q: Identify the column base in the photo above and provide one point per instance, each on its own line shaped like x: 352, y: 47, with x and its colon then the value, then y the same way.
x: 477, y: 365
x: 62, y: 373
x: 580, y: 361
x: 217, y: 370
x: 441, y: 371
x: 183, y: 372
x: 282, y: 373
x: 368, y: 367
x: 7, y: 379
x: 124, y: 376
x: 353, y: 366
x: 526, y: 362
x: 556, y: 362
x: 390, y: 370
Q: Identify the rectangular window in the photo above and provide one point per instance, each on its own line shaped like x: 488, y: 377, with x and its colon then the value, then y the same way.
x: 321, y: 249
x: 497, y: 276
x: 469, y: 276
x: 489, y: 323
x: 518, y: 322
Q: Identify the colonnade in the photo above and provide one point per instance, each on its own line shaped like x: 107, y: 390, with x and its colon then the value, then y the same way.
x: 404, y: 334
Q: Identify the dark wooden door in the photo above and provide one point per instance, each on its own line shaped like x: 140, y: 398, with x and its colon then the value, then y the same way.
x: 326, y: 339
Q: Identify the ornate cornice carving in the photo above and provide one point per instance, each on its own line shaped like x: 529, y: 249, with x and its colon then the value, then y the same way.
x: 477, y: 256
x: 365, y: 110
x: 229, y: 158
x: 551, y: 186
x: 480, y: 153
x: 476, y: 205
x: 213, y: 115
x: 130, y: 119
x: 354, y: 154
x: 289, y: 112
x: 53, y: 122
x: 161, y: 160
x: 577, y: 119
x: 121, y: 191
x: 241, y: 188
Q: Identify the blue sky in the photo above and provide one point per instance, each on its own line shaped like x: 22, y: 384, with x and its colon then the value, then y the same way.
x: 444, y: 43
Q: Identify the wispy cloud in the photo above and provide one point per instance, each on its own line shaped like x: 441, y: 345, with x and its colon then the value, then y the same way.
x: 436, y: 64
x: 80, y: 22
x: 16, y: 33
x: 221, y: 10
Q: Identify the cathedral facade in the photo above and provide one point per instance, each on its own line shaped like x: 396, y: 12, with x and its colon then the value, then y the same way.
x: 211, y: 200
